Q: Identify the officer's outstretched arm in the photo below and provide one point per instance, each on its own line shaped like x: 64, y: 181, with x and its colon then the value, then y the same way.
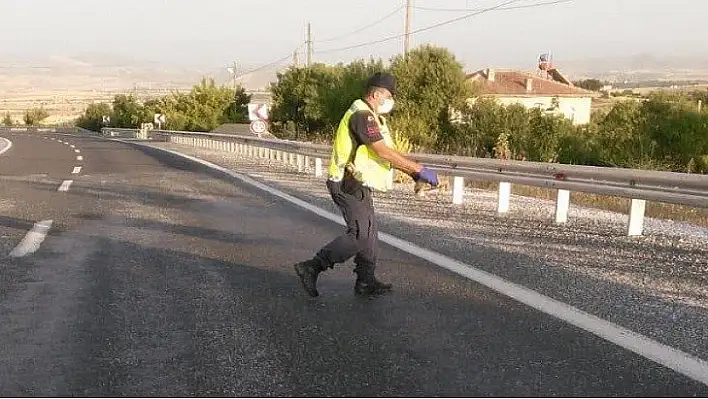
x: 398, y: 160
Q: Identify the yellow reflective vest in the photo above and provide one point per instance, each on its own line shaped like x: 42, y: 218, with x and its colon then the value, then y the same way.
x: 363, y: 163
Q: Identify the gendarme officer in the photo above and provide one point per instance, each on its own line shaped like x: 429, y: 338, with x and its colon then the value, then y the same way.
x: 363, y: 158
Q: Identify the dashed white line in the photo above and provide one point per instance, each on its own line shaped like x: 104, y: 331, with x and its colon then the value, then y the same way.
x: 79, y: 158
x: 33, y: 239
x: 7, y: 146
x: 72, y: 146
x: 64, y: 187
x: 77, y: 151
x: 76, y: 171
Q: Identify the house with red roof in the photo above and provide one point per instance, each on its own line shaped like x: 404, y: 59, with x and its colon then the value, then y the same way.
x: 550, y: 91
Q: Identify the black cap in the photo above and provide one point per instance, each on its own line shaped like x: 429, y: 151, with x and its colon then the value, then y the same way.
x: 384, y: 80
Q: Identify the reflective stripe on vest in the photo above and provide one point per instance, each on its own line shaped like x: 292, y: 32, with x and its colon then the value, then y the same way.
x: 368, y: 168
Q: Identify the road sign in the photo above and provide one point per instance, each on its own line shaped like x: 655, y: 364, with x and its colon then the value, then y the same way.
x: 106, y: 119
x: 258, y: 127
x: 159, y: 120
x: 257, y: 111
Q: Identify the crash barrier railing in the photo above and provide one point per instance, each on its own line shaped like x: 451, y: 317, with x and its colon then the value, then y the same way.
x: 638, y: 185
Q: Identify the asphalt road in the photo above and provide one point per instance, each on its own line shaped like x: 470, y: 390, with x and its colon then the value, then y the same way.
x: 159, y: 280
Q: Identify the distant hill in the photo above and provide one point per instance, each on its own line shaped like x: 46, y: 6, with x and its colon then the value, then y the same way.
x: 637, y: 67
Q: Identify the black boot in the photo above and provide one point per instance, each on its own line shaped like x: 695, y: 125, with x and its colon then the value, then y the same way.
x: 371, y: 287
x: 308, y: 272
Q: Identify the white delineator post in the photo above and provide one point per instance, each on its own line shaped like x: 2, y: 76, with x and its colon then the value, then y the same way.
x: 562, y: 206
x: 504, y: 197
x: 318, y: 167
x: 458, y: 187
x: 636, y: 218
x: 300, y: 163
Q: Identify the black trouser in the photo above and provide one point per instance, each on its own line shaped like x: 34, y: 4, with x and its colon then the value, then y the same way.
x: 361, y: 238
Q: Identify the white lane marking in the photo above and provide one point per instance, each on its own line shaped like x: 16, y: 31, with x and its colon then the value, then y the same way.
x: 7, y: 146
x: 665, y: 355
x: 79, y: 158
x: 32, y: 240
x: 77, y: 170
x: 72, y: 146
x: 77, y: 151
x: 64, y: 187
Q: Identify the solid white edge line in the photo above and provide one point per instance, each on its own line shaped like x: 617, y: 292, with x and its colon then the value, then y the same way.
x: 33, y: 239
x: 76, y: 171
x: 64, y: 187
x: 665, y: 355
x: 7, y: 148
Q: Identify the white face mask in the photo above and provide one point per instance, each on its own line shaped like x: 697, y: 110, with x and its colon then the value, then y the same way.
x: 386, y: 107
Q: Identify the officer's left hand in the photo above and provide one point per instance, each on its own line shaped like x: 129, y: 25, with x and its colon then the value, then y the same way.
x: 427, y: 175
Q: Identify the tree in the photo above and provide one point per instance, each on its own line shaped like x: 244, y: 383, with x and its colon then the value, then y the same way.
x: 430, y: 82
x: 7, y: 120
x: 590, y: 84
x: 237, y: 110
x: 128, y: 113
x: 92, y: 119
x: 291, y: 93
x: 35, y: 116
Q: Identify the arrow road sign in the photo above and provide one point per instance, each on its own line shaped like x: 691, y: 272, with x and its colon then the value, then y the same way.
x: 257, y: 111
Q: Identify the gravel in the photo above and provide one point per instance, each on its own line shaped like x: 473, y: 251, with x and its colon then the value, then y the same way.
x: 656, y: 285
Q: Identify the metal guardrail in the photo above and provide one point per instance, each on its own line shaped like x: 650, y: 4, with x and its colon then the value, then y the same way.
x: 638, y: 185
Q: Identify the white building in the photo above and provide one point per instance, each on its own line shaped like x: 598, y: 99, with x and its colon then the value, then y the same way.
x: 553, y: 95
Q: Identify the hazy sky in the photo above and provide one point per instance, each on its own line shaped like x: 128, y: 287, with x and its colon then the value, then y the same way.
x: 216, y: 32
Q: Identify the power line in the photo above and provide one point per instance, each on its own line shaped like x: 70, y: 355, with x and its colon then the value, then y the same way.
x: 378, y: 21
x: 421, y: 29
x: 278, y: 61
x: 548, y: 3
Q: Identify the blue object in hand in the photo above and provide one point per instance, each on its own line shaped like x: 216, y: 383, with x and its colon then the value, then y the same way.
x: 428, y: 176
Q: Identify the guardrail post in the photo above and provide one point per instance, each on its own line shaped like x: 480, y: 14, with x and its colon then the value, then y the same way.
x: 291, y: 159
x: 636, y: 218
x: 504, y: 197
x: 562, y: 206
x: 307, y: 163
x: 458, y: 189
x: 318, y: 167
x: 300, y: 163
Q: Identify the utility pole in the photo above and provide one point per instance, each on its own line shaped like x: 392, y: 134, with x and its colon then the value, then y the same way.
x: 309, y: 44
x: 407, y: 40
x: 233, y: 71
